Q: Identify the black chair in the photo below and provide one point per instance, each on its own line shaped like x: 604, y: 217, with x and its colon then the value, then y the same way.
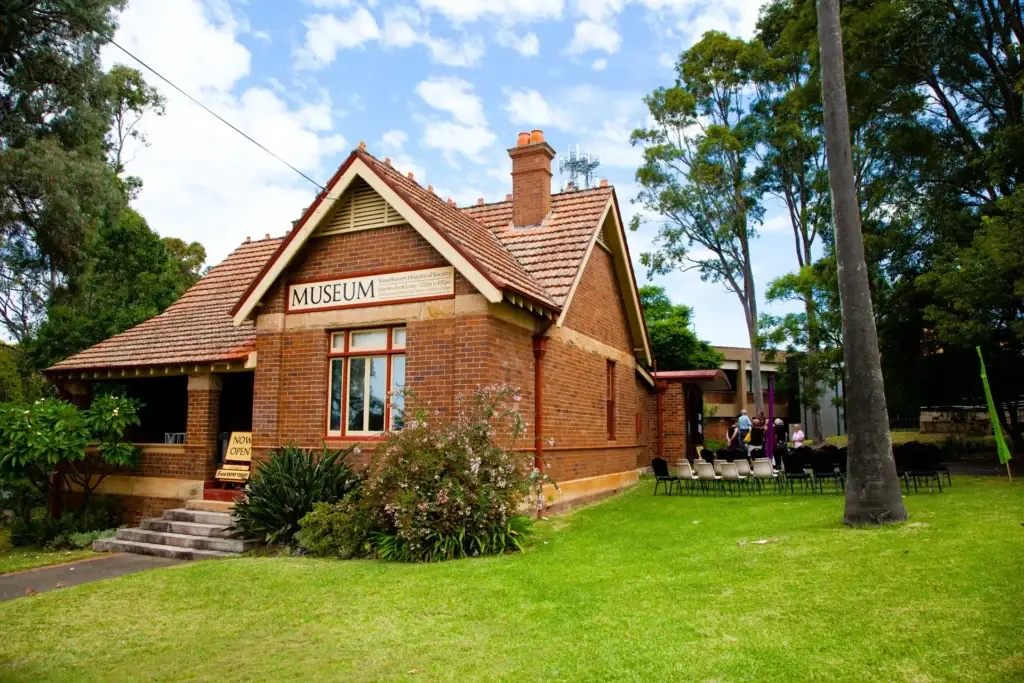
x: 794, y: 463
x: 823, y: 469
x: 919, y: 468
x: 933, y: 457
x: 662, y: 476
x: 899, y: 454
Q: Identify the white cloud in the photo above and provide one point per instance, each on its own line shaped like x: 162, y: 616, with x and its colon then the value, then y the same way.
x: 201, y: 180
x: 403, y: 27
x: 394, y: 139
x: 599, y: 10
x: 467, y: 53
x: 527, y: 45
x: 593, y: 35
x: 599, y: 64
x: 392, y: 144
x: 529, y: 107
x: 329, y: 4
x: 452, y: 138
x: 454, y: 96
x: 326, y: 34
x: 511, y: 11
x: 468, y: 133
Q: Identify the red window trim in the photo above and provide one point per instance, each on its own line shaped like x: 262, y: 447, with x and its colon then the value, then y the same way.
x: 389, y: 352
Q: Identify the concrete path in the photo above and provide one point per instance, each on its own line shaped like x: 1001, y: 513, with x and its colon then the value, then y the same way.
x: 44, y: 579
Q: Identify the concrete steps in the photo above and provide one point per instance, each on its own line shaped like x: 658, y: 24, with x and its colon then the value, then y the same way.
x: 196, y: 532
x: 108, y: 545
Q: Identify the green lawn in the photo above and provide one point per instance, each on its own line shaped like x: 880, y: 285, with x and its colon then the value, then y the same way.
x: 637, y: 588
x: 901, y: 437
x: 16, y: 559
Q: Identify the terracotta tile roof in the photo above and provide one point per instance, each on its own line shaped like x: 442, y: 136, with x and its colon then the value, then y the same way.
x: 472, y: 238
x: 553, y: 252
x: 539, y: 263
x: 196, y: 328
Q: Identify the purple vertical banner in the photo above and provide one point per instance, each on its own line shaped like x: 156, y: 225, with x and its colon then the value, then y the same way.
x: 770, y: 431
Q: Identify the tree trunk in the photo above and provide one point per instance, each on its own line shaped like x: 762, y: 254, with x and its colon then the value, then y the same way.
x: 873, y: 493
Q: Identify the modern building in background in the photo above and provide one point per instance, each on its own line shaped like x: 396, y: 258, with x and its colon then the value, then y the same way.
x: 726, y: 404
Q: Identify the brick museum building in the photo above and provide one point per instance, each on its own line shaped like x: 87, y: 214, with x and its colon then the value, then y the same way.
x: 382, y: 284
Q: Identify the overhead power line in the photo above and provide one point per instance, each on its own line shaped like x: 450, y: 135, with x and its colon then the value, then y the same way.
x: 208, y: 110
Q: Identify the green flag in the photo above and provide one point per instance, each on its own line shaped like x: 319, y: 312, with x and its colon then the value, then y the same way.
x: 1004, y: 452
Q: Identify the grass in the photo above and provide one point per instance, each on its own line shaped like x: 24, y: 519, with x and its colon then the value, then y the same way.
x: 638, y: 588
x: 901, y: 437
x: 17, y: 559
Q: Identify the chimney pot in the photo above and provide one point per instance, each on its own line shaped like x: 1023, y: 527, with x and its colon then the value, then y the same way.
x: 531, y: 179
x: 480, y: 201
x: 248, y: 238
x: 430, y: 188
x: 387, y: 160
x: 604, y: 182
x: 508, y: 197
x: 267, y: 237
x: 362, y: 145
x: 411, y: 176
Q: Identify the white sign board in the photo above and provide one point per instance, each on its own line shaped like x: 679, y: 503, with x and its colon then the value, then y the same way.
x: 372, y: 290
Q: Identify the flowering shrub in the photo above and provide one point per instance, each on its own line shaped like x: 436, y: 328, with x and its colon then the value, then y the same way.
x: 442, y: 489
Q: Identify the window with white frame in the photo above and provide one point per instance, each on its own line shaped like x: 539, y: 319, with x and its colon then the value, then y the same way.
x: 366, y: 375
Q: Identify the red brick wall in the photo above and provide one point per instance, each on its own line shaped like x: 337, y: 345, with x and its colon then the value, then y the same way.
x: 183, y: 465
x: 673, y: 403
x: 448, y: 358
x: 717, y: 427
x: 138, y: 508
x: 597, y: 309
x: 531, y: 183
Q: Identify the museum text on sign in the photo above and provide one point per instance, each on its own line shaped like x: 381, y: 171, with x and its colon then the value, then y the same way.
x: 431, y: 283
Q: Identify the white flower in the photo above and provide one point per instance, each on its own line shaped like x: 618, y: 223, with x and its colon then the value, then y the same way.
x: 115, y: 412
x: 357, y: 450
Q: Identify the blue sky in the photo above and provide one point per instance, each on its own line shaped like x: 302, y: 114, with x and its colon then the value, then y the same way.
x: 440, y: 86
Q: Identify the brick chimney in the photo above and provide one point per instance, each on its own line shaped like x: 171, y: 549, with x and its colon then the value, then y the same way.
x: 531, y: 179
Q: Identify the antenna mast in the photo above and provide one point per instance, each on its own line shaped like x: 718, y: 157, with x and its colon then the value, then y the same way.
x: 576, y: 164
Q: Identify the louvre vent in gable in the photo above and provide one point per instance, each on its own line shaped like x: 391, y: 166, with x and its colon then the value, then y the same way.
x: 359, y: 208
x: 602, y: 237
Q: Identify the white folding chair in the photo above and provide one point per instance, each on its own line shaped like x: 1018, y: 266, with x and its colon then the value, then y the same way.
x: 707, y: 477
x: 763, y: 471
x: 686, y: 474
x: 731, y: 475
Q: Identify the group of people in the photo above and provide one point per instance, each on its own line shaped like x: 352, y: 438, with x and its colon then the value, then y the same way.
x: 748, y: 433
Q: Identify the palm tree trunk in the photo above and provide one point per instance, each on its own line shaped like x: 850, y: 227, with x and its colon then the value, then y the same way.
x: 873, y: 493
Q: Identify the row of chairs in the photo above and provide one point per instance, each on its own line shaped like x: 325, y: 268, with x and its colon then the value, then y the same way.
x: 718, y: 476
x: 815, y: 469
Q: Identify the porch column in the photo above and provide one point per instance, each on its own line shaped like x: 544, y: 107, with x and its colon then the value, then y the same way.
x: 202, y: 425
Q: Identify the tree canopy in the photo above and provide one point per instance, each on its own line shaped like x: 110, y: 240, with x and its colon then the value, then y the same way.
x: 675, y: 344
x: 77, y: 264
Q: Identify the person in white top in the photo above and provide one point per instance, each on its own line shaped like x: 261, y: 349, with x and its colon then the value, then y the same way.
x: 798, y: 436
